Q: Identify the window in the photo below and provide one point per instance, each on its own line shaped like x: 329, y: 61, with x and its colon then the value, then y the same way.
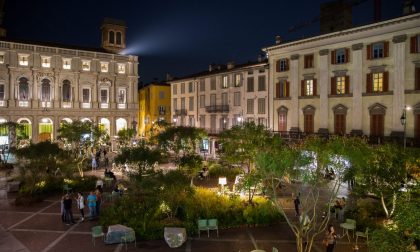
x: 202, y: 121
x: 225, y: 99
x: 309, y: 61
x: 104, y: 96
x: 175, y: 104
x: 261, y: 105
x: 46, y: 61
x: 45, y: 90
x: 415, y: 44
x: 340, y: 56
x: 202, y: 85
x: 86, y: 65
x: 121, y: 68
x: 282, y: 65
x: 121, y: 96
x: 191, y: 121
x: 67, y: 64
x: 417, y: 79
x: 377, y: 50
x: 282, y: 89
x: 225, y: 81
x: 23, y: 89
x: 111, y: 36
x: 377, y: 82
x: 161, y: 110
x: 119, y: 38
x: 262, y: 121
x: 104, y: 67
x: 161, y: 95
x: 250, y: 84
x: 190, y: 87
x: 224, y: 122
x: 213, y: 83
x: 174, y: 89
x: 66, y: 91
x: 238, y: 79
x: 1, y: 92
x: 213, y: 100
x: 261, y: 83
x: 308, y: 87
x: 237, y: 99
x: 250, y: 106
x: 191, y: 103
x: 183, y: 103
x: 182, y: 88
x: 1, y: 57
x: 339, y: 85
x: 23, y: 59
x: 86, y: 95
x: 202, y: 101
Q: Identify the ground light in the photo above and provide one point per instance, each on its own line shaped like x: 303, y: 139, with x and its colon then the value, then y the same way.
x: 222, y: 183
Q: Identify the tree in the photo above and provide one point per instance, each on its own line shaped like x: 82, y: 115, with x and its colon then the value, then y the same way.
x: 125, y: 137
x: 241, y: 143
x: 81, y: 138
x: 11, y: 128
x: 190, y: 163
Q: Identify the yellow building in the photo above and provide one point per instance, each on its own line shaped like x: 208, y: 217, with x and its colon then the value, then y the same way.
x: 154, y: 106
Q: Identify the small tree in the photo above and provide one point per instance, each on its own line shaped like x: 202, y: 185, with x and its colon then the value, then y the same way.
x: 190, y: 164
x: 125, y: 137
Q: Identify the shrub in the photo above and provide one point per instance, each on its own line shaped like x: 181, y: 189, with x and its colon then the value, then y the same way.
x: 218, y: 170
x: 365, y: 214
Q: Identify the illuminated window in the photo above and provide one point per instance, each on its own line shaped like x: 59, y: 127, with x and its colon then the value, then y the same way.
x: 46, y: 61
x: 67, y: 64
x: 104, y: 67
x: 23, y: 89
x: 309, y: 87
x: 1, y: 57
x: 225, y: 81
x: 86, y: 65
x: 341, y: 84
x: 121, y: 68
x: 121, y: 124
x: 237, y: 80
x: 23, y: 59
x: 378, y: 80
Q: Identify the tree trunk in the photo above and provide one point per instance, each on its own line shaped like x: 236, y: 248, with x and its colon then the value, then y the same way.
x: 384, y: 206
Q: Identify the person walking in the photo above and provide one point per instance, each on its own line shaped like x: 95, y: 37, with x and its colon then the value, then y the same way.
x: 81, y: 205
x: 98, y: 200
x: 296, y: 202
x: 94, y: 164
x: 330, y: 238
x: 67, y: 210
x: 63, y: 216
x: 91, y: 200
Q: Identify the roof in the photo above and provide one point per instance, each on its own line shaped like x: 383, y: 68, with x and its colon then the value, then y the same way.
x: 114, y: 21
x: 155, y: 84
x: 222, y: 69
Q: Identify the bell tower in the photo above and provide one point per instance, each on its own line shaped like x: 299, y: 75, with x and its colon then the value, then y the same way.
x: 113, y: 35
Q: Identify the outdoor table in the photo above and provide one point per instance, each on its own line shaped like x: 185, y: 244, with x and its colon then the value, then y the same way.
x: 115, y: 232
x: 175, y: 236
x: 346, y: 227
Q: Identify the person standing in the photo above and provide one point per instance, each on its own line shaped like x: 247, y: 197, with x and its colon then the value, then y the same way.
x: 67, y: 210
x: 342, y: 203
x: 91, y: 200
x: 81, y: 205
x: 94, y: 164
x: 98, y: 200
x: 63, y: 216
x: 330, y: 237
x: 296, y: 202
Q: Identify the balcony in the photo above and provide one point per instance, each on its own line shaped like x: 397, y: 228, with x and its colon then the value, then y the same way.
x: 122, y: 106
x: 217, y: 109
x: 180, y: 112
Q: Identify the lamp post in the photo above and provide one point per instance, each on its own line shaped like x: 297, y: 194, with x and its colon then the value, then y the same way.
x: 403, y: 120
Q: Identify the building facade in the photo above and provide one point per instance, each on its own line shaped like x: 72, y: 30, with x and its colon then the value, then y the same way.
x: 154, y: 106
x: 356, y: 81
x: 220, y: 98
x: 43, y: 85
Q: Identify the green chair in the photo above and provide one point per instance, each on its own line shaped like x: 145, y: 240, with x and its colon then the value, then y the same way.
x: 212, y: 225
x: 362, y: 234
x: 130, y: 236
x: 351, y: 221
x: 66, y: 188
x: 97, y: 232
x: 202, y: 226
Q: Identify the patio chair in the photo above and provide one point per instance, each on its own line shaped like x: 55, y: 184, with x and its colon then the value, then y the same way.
x: 66, y: 188
x: 97, y: 232
x: 362, y: 234
x: 130, y: 236
x: 202, y: 226
x: 212, y: 225
x: 351, y: 221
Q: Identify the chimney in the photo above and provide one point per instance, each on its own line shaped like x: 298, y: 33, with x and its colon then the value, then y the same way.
x: 169, y: 77
x: 408, y: 7
x: 211, y: 67
x: 278, y: 40
x: 230, y: 65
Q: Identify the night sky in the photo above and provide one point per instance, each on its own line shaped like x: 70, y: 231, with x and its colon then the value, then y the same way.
x: 177, y: 37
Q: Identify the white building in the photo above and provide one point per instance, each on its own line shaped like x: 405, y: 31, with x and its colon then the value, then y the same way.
x: 42, y: 85
x: 355, y: 81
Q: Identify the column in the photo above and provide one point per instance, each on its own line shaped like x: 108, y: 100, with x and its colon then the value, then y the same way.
x: 57, y: 90
x: 34, y: 90
x: 75, y: 90
x: 323, y: 91
x: 294, y: 92
x: 11, y: 88
x: 357, y: 83
x: 270, y: 90
x: 398, y: 98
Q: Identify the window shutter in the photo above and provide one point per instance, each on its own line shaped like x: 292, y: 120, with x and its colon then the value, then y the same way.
x: 386, y: 49
x: 333, y: 57
x: 417, y: 84
x: 302, y: 87
x: 287, y: 64
x: 413, y: 43
x: 369, y: 83
x: 347, y: 59
x: 314, y: 82
x: 333, y: 86
x: 288, y: 88
x: 347, y: 85
x: 369, y: 52
x: 278, y: 90
x: 277, y: 65
x: 386, y: 77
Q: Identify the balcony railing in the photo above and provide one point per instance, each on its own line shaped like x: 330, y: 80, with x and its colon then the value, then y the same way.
x: 180, y: 112
x: 217, y: 109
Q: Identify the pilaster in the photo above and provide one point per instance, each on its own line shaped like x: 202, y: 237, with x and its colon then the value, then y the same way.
x: 398, y: 99
x: 357, y: 87
x: 294, y: 92
x: 323, y: 89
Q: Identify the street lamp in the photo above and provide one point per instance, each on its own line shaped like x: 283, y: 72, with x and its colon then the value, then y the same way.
x: 403, y: 120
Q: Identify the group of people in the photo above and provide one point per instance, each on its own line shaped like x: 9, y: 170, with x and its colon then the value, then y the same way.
x: 339, y: 209
x: 96, y: 159
x: 93, y: 200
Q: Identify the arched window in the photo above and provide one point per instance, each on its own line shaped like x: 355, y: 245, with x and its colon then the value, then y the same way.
x: 23, y: 89
x: 45, y: 90
x: 66, y: 91
x: 119, y: 38
x: 111, y: 37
